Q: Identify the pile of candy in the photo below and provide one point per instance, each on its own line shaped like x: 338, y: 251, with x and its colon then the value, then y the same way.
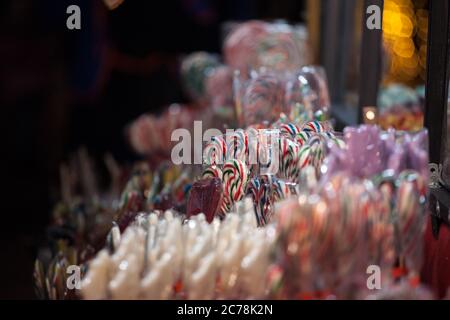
x: 363, y: 212
x: 151, y: 135
x: 239, y: 90
x: 82, y: 220
x: 162, y: 258
x: 401, y: 108
x: 284, y: 208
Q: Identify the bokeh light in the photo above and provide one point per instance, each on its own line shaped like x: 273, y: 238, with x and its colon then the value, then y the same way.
x: 405, y: 26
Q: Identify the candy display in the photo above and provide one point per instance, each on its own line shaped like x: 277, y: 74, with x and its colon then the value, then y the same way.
x: 369, y: 151
x: 183, y: 261
x: 320, y: 220
x: 235, y: 178
x: 281, y: 205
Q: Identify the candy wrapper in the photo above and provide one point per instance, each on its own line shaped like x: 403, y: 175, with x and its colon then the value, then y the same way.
x: 369, y: 151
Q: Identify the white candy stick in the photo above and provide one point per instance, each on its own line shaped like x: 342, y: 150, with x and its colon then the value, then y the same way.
x: 231, y: 265
x: 95, y: 284
x: 254, y: 267
x: 203, y: 280
x: 125, y: 284
x: 158, y: 283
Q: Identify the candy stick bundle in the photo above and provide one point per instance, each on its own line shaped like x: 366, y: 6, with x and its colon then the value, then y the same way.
x: 164, y: 258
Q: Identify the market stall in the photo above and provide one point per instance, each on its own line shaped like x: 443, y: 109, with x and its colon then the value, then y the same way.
x: 250, y: 191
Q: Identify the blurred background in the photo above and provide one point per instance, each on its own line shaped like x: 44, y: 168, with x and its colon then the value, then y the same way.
x: 62, y: 89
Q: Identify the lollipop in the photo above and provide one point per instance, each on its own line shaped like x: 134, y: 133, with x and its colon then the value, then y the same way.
x: 316, y: 95
x: 318, y: 150
x: 256, y: 44
x: 289, y: 157
x: 289, y: 130
x: 263, y: 99
x: 194, y: 71
x: 219, y: 87
x: 282, y: 190
x: 297, y: 99
x: 410, y: 207
x: 215, y: 151
x: 313, y: 126
x: 240, y: 46
x: 235, y: 178
x: 212, y: 172
x: 141, y: 132
x: 350, y: 223
x: 260, y: 189
x: 278, y: 50
x: 304, y: 156
x: 295, y: 245
x: 302, y: 137
x: 238, y: 146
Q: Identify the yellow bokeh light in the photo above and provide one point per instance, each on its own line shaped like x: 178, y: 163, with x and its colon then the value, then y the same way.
x: 402, y: 26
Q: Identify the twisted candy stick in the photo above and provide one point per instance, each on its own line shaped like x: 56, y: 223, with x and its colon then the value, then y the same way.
x: 313, y: 126
x: 302, y: 137
x: 263, y: 99
x: 215, y: 151
x: 294, y: 229
x: 238, y: 146
x: 212, y: 172
x: 289, y: 157
x: 281, y: 190
x: 289, y: 130
x: 323, y: 233
x: 260, y: 189
x: 410, y: 206
x: 235, y: 178
x: 351, y: 224
x: 304, y: 156
x: 318, y: 149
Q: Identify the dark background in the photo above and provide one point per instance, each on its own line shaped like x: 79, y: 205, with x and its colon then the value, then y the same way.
x: 61, y: 89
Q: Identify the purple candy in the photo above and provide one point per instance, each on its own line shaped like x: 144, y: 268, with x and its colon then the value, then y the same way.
x: 365, y: 150
x: 369, y: 151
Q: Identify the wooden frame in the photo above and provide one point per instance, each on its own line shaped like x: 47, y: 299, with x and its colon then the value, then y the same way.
x: 371, y: 62
x: 436, y: 105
